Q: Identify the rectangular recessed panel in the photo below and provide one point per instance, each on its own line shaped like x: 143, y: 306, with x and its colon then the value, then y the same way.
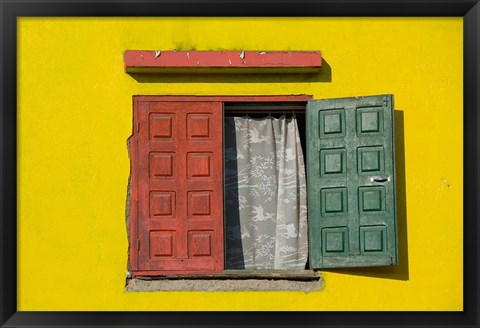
x: 371, y: 199
x: 161, y: 126
x: 373, y: 239
x: 332, y: 162
x: 334, y: 201
x: 335, y: 241
x: 198, y: 126
x: 200, y: 243
x: 369, y: 120
x: 331, y: 123
x: 198, y: 165
x: 199, y: 203
x: 371, y: 160
x: 162, y: 203
x: 162, y: 243
x: 161, y: 165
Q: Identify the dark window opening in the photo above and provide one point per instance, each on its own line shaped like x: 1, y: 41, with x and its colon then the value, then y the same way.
x: 265, y: 212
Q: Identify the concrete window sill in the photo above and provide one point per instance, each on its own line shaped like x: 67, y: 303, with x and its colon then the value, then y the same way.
x: 231, y: 280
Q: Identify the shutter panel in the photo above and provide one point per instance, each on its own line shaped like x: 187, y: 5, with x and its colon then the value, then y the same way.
x: 351, y: 182
x: 180, y: 190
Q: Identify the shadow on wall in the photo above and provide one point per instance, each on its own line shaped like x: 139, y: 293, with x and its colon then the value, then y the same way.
x: 398, y: 272
x: 325, y: 75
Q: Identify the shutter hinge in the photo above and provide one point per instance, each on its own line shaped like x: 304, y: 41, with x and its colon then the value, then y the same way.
x: 391, y: 260
x: 138, y: 126
x: 138, y: 244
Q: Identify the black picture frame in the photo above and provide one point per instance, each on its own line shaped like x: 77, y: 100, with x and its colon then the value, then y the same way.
x: 10, y: 10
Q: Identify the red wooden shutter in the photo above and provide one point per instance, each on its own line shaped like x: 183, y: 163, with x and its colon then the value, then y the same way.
x: 179, y: 186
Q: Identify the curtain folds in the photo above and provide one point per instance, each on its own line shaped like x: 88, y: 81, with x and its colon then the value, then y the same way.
x: 265, y: 194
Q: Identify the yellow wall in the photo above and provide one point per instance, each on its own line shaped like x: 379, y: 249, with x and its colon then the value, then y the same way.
x: 75, y: 114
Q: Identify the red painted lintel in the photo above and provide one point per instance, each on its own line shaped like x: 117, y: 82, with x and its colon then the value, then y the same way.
x: 152, y: 61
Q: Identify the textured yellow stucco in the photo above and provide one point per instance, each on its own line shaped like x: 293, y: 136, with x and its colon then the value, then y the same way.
x: 75, y: 114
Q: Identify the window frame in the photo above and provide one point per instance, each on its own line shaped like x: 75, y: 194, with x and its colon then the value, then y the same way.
x: 384, y: 101
x: 134, y: 220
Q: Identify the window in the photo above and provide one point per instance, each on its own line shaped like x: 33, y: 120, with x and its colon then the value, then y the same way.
x: 177, y: 200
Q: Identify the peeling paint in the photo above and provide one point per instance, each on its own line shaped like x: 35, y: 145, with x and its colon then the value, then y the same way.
x: 445, y: 181
x: 274, y: 61
x: 128, y: 202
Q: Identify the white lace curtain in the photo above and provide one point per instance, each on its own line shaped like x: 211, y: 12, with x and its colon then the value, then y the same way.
x: 265, y: 194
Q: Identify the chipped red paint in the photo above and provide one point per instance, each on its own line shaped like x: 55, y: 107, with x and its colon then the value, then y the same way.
x: 222, y: 61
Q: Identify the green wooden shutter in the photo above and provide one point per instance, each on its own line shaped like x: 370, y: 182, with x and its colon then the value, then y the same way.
x: 351, y: 182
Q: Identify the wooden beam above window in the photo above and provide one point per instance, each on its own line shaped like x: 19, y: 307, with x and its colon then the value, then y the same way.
x: 251, y: 62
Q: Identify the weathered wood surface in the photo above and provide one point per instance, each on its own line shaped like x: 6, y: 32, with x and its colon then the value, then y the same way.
x: 191, y: 62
